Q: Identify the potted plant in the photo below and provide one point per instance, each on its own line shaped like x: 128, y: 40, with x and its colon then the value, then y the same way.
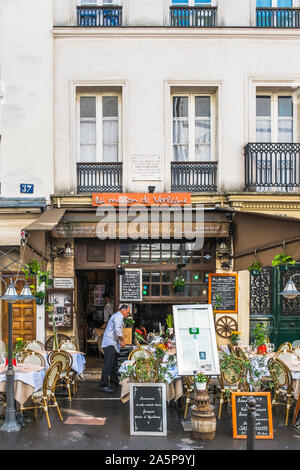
x: 45, y: 277
x: 40, y: 297
x: 283, y: 260
x: 235, y: 337
x: 170, y: 324
x: 260, y: 338
x: 32, y: 268
x: 255, y: 268
x: 178, y: 283
x: 200, y: 381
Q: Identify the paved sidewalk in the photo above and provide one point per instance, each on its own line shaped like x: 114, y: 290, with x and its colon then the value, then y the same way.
x: 114, y: 435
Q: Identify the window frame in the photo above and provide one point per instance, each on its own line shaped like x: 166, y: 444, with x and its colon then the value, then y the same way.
x: 274, y: 5
x: 274, y: 114
x: 98, y: 3
x: 99, y: 125
x: 192, y: 124
x: 191, y: 3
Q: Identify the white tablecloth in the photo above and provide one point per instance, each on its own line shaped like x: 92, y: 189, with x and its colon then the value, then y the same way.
x: 26, y: 373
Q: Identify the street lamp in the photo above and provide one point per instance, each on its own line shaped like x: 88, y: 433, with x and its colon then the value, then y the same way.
x: 11, y: 296
x: 290, y: 291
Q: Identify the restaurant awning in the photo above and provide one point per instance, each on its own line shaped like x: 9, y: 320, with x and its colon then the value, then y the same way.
x: 47, y: 220
x: 11, y: 226
x: 260, y: 237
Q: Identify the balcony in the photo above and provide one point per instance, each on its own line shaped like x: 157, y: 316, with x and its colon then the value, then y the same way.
x: 99, y: 177
x: 99, y: 17
x: 194, y: 176
x: 278, y: 17
x: 193, y: 17
x: 272, y: 167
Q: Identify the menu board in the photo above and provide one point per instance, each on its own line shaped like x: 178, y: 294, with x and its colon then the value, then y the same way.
x: 263, y: 415
x: 223, y: 292
x: 148, y: 414
x: 123, y: 355
x: 196, y: 345
x: 131, y: 285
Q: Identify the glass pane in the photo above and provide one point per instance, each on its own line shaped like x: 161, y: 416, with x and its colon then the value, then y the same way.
x: 180, y: 106
x: 197, y: 291
x: 203, y: 153
x: 155, y: 246
x: 202, y: 106
x: 187, y: 290
x: 285, y: 106
x: 155, y: 276
x: 165, y: 290
x: 202, y: 2
x: 263, y: 106
x: 145, y: 247
x: 263, y: 3
x: 88, y: 133
x: 110, y: 132
x: 110, y: 153
x: 87, y: 107
x: 180, y: 132
x: 146, y: 276
x: 155, y: 290
x: 87, y: 153
x: 284, y: 3
x: 155, y: 256
x: 263, y: 130
x: 180, y: 2
x: 285, y: 130
x: 110, y: 106
x: 203, y: 132
x: 181, y: 153
x: 196, y: 276
x: 165, y: 276
x: 145, y: 257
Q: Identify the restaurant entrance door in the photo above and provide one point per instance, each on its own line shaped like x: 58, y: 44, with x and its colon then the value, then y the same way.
x: 287, y: 311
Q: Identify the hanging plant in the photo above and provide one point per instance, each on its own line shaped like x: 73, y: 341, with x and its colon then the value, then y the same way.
x: 283, y: 260
x: 255, y: 268
x: 32, y: 268
x: 178, y: 283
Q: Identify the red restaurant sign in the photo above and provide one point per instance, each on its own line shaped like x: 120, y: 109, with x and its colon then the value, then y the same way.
x: 146, y: 199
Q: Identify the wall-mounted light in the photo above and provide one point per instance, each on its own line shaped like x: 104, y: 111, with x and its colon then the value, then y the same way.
x: 68, y: 249
x: 290, y: 291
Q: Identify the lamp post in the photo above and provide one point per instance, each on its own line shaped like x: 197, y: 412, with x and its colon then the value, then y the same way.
x: 10, y: 423
x: 290, y: 291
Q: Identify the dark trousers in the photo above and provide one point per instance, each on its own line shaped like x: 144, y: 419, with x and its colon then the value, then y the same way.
x: 110, y: 368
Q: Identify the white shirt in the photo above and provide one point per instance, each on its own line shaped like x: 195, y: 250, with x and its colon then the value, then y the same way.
x: 113, y: 330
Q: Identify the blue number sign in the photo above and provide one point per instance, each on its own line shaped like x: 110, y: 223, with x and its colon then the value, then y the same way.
x: 26, y: 188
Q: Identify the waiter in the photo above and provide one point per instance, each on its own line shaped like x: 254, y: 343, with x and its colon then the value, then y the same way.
x: 112, y: 342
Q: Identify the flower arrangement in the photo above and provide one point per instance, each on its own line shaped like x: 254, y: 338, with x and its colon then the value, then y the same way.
x: 235, y: 336
x: 148, y: 369
x: 178, y: 283
x: 20, y: 344
x: 200, y: 378
x: 140, y: 335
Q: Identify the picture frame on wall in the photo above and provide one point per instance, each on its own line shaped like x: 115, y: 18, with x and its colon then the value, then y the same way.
x: 63, y: 300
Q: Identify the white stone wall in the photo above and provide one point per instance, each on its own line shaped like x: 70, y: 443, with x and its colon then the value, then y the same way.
x: 26, y: 107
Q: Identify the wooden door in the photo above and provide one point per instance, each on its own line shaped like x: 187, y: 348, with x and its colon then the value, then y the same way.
x: 24, y: 321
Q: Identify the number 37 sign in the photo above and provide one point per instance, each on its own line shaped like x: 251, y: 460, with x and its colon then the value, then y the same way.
x: 26, y: 188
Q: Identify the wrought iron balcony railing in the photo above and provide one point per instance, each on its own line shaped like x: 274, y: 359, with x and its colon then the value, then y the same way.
x: 99, y: 177
x: 99, y: 16
x: 194, y: 176
x: 278, y: 17
x: 194, y: 17
x: 272, y: 167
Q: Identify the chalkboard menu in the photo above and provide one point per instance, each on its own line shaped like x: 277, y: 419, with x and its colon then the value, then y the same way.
x: 123, y: 356
x: 263, y: 415
x: 223, y: 292
x: 148, y: 415
x: 131, y: 285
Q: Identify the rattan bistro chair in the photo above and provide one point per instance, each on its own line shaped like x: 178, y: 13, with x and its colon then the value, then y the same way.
x: 283, y: 384
x: 35, y: 345
x: 66, y: 374
x: 285, y: 347
x: 49, y: 344
x: 187, y: 398
x: 231, y: 379
x: 45, y: 397
x: 69, y: 345
x: 32, y: 357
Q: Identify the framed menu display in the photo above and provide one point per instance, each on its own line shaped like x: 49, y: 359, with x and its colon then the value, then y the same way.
x: 131, y: 286
x: 263, y: 415
x: 62, y: 300
x: 223, y: 292
x: 195, y: 340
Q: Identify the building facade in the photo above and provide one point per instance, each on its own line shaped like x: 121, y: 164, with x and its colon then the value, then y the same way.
x: 193, y: 97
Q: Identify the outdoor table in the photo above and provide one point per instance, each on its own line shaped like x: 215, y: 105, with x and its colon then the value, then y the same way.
x: 28, y: 379
x: 77, y: 356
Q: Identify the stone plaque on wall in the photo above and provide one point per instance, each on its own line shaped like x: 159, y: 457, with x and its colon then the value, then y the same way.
x: 146, y: 168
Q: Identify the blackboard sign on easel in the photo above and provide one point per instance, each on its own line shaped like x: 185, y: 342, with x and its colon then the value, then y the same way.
x: 148, y: 409
x: 131, y: 286
x: 263, y: 415
x: 223, y: 292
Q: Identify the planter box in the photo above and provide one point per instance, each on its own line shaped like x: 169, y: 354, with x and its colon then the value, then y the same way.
x: 127, y: 335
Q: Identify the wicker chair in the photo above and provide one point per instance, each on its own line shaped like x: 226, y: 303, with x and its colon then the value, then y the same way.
x: 296, y: 344
x: 188, y: 387
x: 138, y: 352
x: 285, y: 347
x: 283, y: 384
x: 286, y: 356
x: 50, y: 341
x: 231, y: 380
x: 69, y: 345
x: 45, y: 397
x: 31, y: 357
x: 35, y: 346
x: 66, y: 374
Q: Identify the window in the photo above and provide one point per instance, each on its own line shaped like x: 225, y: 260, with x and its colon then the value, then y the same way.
x: 99, y: 2
x: 274, y: 118
x: 99, y: 127
x: 193, y: 124
x: 274, y: 3
x: 192, y: 2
